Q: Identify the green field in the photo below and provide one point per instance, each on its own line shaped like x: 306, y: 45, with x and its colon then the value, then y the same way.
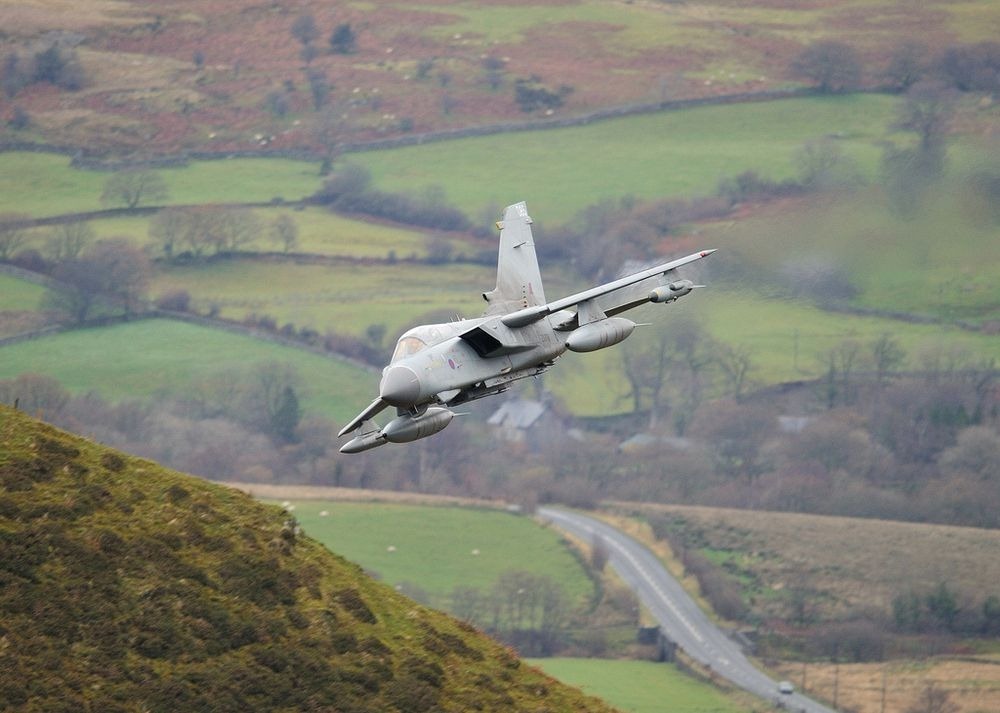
x: 638, y: 27
x: 321, y: 232
x: 17, y: 294
x: 679, y: 153
x: 557, y: 172
x: 436, y: 548
x: 639, y: 686
x: 943, y: 261
x: 770, y: 328
x: 787, y: 339
x: 345, y: 297
x: 157, y: 357
x: 45, y: 184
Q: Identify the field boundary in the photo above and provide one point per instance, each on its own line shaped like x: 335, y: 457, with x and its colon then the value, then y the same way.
x: 106, y: 162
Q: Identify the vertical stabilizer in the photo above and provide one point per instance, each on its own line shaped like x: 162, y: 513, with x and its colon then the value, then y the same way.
x: 519, y: 283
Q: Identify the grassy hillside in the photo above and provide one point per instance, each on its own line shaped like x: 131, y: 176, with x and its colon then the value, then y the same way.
x: 942, y: 261
x: 128, y: 587
x: 154, y: 357
x: 440, y: 548
x: 847, y: 565
x: 640, y: 686
x: 184, y: 76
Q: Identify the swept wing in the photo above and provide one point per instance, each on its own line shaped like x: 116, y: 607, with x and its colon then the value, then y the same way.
x: 528, y: 315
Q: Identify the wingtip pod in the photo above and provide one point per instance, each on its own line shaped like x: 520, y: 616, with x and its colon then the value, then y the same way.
x: 706, y: 253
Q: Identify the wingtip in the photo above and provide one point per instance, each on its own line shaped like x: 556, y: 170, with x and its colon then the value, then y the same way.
x: 706, y: 253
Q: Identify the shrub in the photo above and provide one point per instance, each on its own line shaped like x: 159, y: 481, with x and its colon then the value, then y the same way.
x: 175, y: 300
x: 531, y: 95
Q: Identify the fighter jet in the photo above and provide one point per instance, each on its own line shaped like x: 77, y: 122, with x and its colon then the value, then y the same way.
x: 521, y: 334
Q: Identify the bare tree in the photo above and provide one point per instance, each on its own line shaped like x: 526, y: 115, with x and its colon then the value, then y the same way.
x: 600, y: 553
x: 822, y: 164
x: 888, y: 355
x: 927, y: 111
x: 235, y: 228
x: 832, y: 66
x: 319, y: 87
x: 167, y: 227
x: 285, y: 232
x: 130, y: 187
x: 907, y: 65
x: 13, y: 234
x: 934, y: 700
x: 34, y: 393
x: 68, y: 240
x: 972, y: 68
x: 645, y: 364
x: 304, y: 29
x: 125, y: 271
x: 113, y: 274
x: 737, y: 434
x: 977, y: 452
x: 735, y: 363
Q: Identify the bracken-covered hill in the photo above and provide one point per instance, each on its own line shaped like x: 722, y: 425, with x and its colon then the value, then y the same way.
x: 128, y: 587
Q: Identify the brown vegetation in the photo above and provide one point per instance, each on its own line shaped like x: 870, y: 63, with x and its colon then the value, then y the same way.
x: 972, y: 684
x: 182, y: 75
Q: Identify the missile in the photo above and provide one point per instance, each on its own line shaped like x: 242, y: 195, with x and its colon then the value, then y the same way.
x: 672, y: 291
x: 600, y: 334
x: 406, y: 428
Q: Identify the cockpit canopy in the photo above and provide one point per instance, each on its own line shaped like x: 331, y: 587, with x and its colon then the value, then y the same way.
x: 407, y: 346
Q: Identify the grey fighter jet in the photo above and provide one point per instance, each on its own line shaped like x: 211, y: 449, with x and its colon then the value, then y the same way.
x: 521, y: 334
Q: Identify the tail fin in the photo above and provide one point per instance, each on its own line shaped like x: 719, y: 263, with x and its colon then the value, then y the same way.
x: 519, y: 282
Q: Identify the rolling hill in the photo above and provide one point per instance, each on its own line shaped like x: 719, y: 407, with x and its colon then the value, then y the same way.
x: 181, y: 75
x: 129, y: 587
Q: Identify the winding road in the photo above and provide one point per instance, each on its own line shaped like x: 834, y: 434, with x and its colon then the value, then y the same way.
x: 679, y: 616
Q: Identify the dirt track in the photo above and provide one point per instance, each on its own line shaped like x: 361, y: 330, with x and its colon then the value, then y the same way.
x: 269, y: 491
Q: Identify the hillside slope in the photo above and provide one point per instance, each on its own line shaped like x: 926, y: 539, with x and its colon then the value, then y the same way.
x: 127, y: 587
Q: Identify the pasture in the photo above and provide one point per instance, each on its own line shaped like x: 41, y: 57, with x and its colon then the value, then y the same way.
x: 786, y: 339
x: 39, y: 184
x: 343, y: 296
x: 439, y: 548
x: 667, y: 154
x: 321, y: 232
x: 640, y: 686
x: 676, y: 153
x: 18, y: 295
x: 157, y: 357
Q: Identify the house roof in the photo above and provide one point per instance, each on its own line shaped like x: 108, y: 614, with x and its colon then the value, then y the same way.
x: 518, y: 413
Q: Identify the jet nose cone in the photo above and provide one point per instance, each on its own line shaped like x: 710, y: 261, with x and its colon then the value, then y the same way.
x: 400, y: 387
